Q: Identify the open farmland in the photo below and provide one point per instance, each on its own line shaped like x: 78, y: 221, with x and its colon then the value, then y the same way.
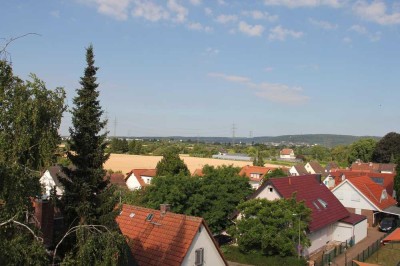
x: 125, y: 162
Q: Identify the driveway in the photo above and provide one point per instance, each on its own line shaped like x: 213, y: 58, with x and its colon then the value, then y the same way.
x: 372, y: 236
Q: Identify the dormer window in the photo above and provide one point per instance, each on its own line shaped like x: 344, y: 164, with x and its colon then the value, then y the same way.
x: 384, y: 195
x: 323, y: 203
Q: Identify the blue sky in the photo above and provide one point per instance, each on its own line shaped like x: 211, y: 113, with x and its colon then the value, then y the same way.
x: 195, y: 67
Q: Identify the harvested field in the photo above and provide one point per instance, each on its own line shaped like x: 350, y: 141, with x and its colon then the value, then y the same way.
x: 125, y: 162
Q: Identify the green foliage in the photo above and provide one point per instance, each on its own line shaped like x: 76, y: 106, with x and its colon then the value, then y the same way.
x: 232, y: 253
x: 30, y: 116
x: 340, y: 154
x: 88, y: 198
x: 119, y: 145
x: 135, y: 147
x: 387, y: 150
x: 362, y: 149
x: 278, y: 172
x: 213, y: 196
x: 258, y: 159
x: 271, y: 227
x: 396, y: 184
x: 171, y: 164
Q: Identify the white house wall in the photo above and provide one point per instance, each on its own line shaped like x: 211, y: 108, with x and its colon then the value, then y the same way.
x: 347, y: 195
x: 342, y: 232
x: 211, y: 254
x: 309, y: 168
x: 360, y: 231
x: 147, y: 179
x: 132, y: 182
x: 47, y: 182
x: 266, y: 193
x: 293, y: 171
x: 319, y: 238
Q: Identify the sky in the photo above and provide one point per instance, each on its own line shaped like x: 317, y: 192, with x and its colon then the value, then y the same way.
x: 214, y: 68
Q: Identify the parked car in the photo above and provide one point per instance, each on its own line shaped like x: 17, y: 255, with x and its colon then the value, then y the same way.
x: 387, y: 224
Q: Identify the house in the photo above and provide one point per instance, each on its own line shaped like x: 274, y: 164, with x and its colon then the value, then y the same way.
x: 298, y: 169
x: 287, y: 154
x: 361, y: 195
x: 51, y: 179
x: 138, y: 178
x: 383, y: 179
x: 314, y: 167
x: 255, y: 174
x: 330, y: 220
x: 198, y: 172
x: 160, y: 237
x: 331, y: 166
x: 388, y: 168
x: 117, y: 179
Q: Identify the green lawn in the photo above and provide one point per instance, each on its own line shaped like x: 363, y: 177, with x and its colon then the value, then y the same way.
x: 387, y: 255
x: 232, y: 253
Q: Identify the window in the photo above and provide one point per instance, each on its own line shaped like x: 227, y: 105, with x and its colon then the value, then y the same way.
x: 149, y: 217
x: 378, y: 180
x: 316, y: 205
x: 199, y: 260
x: 323, y: 203
x: 271, y: 189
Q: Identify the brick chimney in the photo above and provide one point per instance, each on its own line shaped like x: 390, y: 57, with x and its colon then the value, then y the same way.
x: 44, y: 213
x: 164, y: 208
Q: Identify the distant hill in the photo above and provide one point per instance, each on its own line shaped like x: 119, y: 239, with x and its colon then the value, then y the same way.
x: 328, y: 140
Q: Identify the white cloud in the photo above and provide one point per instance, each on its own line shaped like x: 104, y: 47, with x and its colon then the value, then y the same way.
x: 195, y: 2
x: 180, y: 11
x: 211, y: 51
x: 55, y: 13
x: 377, y: 12
x: 149, y: 11
x: 223, y: 19
x: 116, y: 9
x: 256, y: 14
x: 208, y: 11
x: 280, y: 33
x: 305, y: 3
x: 268, y: 69
x: 221, y: 2
x: 280, y: 93
x: 374, y: 37
x: 273, y: 92
x: 230, y: 78
x: 250, y: 30
x: 323, y: 24
x: 199, y: 27
x: 347, y: 40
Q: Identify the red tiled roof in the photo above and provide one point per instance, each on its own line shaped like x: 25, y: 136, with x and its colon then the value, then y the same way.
x: 388, y: 179
x: 301, y: 169
x: 394, y: 236
x: 117, y: 179
x: 286, y: 151
x: 248, y: 170
x: 198, y: 172
x: 372, y: 191
x: 312, y: 191
x: 353, y: 219
x: 149, y: 172
x: 139, y: 173
x: 373, y: 167
x: 165, y: 240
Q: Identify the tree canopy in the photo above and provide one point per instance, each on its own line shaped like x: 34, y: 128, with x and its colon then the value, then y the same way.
x: 387, y: 150
x: 171, y: 164
x: 88, y: 198
x: 213, y: 196
x: 271, y: 227
x: 362, y: 149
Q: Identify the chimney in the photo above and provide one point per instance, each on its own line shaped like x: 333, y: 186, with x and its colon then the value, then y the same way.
x: 319, y: 178
x: 164, y: 208
x: 44, y: 213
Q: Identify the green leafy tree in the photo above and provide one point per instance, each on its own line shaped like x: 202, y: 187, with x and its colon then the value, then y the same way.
x: 340, y: 154
x: 271, y: 227
x: 213, y: 196
x: 362, y: 149
x: 258, y: 159
x: 387, y: 150
x: 396, y: 184
x: 171, y: 164
x: 278, y: 172
x: 30, y: 116
x: 88, y: 198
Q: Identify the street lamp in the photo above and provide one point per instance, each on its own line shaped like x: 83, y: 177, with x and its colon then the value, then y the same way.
x: 298, y: 245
